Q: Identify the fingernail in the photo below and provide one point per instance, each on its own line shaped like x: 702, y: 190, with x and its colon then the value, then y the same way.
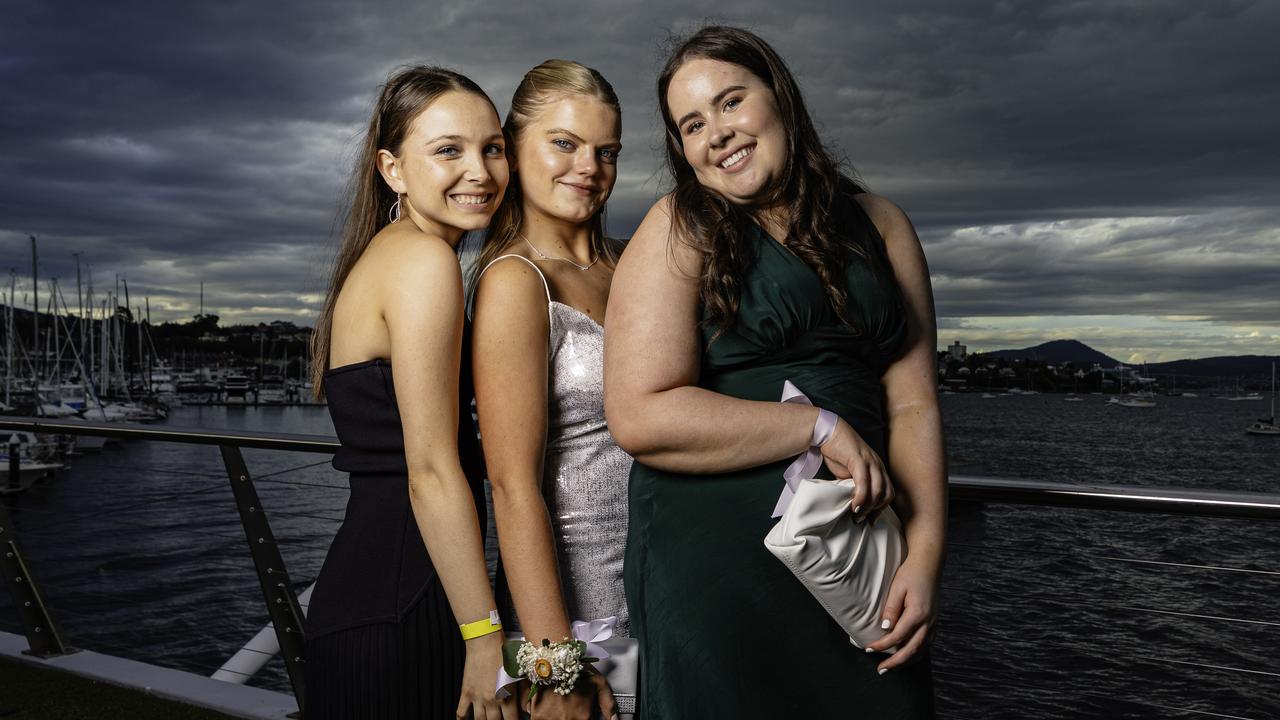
x: 885, y: 624
x: 869, y: 650
x: 882, y: 671
x: 856, y: 508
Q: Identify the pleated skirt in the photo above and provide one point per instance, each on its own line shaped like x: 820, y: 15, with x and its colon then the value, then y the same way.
x: 410, y: 670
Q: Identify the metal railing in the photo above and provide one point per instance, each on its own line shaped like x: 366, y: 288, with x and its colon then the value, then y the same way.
x: 45, y: 637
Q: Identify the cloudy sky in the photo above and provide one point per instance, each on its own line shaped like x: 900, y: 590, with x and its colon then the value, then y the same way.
x: 1105, y: 170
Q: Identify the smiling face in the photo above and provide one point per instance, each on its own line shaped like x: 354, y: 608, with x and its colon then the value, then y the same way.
x: 729, y: 128
x: 451, y: 169
x: 567, y: 158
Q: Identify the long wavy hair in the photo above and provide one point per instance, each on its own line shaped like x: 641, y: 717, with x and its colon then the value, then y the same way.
x: 404, y: 96
x: 808, y: 186
x: 542, y: 86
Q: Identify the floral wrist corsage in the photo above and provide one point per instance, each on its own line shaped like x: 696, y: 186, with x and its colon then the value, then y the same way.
x: 556, y: 665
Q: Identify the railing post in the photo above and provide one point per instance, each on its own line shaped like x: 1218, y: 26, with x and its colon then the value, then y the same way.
x: 44, y: 637
x: 282, y: 604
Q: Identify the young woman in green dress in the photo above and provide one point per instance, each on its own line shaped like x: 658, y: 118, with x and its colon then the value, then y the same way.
x: 766, y: 264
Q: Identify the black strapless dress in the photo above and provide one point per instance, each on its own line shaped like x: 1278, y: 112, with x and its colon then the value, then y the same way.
x: 382, y: 641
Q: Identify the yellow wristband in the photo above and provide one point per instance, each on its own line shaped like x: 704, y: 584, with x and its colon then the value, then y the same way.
x: 480, y: 628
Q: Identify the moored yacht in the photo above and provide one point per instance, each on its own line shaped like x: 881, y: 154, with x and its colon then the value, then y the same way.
x: 1267, y: 425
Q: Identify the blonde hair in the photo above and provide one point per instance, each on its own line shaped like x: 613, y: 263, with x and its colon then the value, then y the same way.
x: 540, y: 87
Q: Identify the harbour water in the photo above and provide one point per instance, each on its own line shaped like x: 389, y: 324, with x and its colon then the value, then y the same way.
x: 1045, y: 613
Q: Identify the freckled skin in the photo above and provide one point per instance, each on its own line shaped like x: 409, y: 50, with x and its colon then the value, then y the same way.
x: 567, y: 159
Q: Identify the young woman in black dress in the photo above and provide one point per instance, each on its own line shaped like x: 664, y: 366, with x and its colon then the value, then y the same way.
x: 400, y: 620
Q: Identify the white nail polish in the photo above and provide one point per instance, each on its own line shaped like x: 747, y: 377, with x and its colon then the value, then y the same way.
x: 885, y: 624
x: 868, y: 649
x: 882, y: 671
x: 856, y: 508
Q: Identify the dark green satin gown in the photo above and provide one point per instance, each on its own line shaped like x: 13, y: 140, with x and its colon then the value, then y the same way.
x: 726, y: 630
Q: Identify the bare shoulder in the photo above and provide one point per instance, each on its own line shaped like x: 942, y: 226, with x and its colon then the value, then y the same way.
x: 510, y: 321
x: 510, y: 281
x: 892, y: 223
x: 655, y: 228
x: 411, y: 250
x: 410, y: 268
x: 656, y: 240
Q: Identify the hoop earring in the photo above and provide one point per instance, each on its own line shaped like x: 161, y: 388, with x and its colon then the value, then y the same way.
x: 393, y: 215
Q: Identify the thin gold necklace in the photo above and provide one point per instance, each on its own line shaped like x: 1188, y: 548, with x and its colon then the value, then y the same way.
x: 583, y: 268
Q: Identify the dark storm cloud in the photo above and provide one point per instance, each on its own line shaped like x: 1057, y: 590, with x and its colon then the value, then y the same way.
x: 180, y: 143
x: 1215, y: 266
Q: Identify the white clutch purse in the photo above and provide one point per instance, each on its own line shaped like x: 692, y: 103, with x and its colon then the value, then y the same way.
x: 846, y: 565
x: 621, y: 668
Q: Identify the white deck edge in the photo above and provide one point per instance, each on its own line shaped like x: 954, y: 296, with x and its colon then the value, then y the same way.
x: 240, y: 701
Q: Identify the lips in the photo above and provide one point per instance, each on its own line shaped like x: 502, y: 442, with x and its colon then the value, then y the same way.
x: 735, y: 157
x: 581, y: 189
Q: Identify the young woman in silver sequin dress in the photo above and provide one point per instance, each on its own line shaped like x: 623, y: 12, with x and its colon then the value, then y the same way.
x: 559, y: 481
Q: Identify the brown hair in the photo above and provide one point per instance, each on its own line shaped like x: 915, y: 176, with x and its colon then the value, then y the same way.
x: 541, y: 86
x: 404, y: 96
x: 808, y: 185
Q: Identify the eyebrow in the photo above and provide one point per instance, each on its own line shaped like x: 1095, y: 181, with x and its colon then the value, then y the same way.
x: 714, y: 101
x: 457, y: 138
x: 574, y: 136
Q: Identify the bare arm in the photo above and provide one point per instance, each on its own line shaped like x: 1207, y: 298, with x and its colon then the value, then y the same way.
x: 917, y: 457
x: 653, y: 351
x: 510, y: 343
x: 422, y: 309
x: 509, y: 351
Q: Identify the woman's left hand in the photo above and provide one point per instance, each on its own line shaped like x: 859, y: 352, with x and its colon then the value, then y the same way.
x: 910, y: 611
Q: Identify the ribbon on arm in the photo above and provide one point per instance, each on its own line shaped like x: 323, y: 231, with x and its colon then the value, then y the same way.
x: 591, y: 632
x: 807, y: 463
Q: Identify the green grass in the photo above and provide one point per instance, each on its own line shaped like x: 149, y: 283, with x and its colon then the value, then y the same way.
x: 28, y: 692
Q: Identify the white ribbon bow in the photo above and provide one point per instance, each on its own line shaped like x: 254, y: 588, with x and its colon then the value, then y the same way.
x: 589, y: 631
x: 807, y: 463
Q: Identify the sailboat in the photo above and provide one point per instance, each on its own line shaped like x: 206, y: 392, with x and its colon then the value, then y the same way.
x: 1267, y: 426
x: 1072, y: 396
x: 1137, y: 399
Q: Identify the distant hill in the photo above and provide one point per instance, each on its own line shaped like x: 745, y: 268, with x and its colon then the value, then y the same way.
x: 1059, y: 351
x: 1227, y: 366
x: 1253, y: 367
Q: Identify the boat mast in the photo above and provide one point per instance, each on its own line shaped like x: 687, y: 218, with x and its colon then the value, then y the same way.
x: 35, y: 306
x: 124, y: 337
x: 79, y: 313
x: 57, y: 341
x: 88, y: 320
x: 8, y: 337
x: 152, y: 358
x: 104, y: 355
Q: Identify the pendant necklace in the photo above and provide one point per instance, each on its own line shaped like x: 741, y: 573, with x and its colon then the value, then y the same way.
x: 540, y: 254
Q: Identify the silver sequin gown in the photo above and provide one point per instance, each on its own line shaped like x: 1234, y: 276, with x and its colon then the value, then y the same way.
x: 584, y: 472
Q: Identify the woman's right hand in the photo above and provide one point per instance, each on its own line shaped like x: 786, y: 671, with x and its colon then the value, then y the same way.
x: 480, y: 682
x: 592, y: 690
x: 849, y: 456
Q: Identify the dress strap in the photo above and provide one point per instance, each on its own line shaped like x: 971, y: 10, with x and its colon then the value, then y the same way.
x: 531, y: 264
